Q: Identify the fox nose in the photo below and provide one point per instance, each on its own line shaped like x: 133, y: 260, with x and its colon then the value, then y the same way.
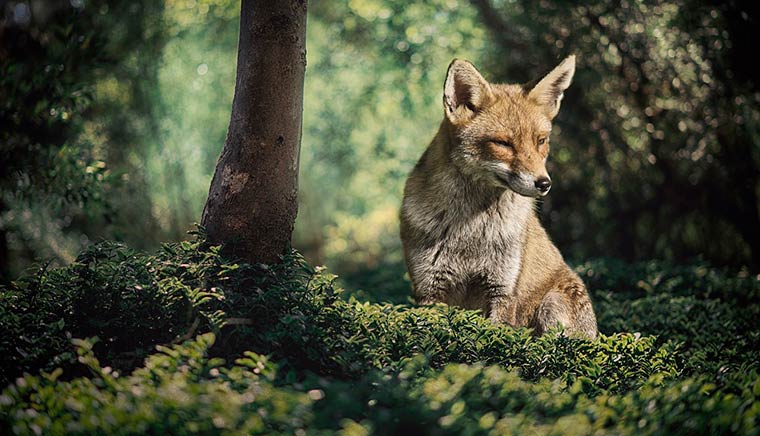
x: 543, y: 185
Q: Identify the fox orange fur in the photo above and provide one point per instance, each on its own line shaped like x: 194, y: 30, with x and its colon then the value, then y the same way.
x: 470, y: 233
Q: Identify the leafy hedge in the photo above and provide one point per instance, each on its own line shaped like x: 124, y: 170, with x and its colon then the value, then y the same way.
x: 335, y: 363
x: 180, y: 390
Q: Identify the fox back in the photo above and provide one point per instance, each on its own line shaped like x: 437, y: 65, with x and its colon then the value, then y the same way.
x: 470, y: 233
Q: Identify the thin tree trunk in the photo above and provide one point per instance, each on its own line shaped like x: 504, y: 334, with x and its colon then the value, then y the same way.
x: 251, y: 207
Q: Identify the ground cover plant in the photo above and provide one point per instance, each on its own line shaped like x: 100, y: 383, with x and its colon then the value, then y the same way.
x: 184, y: 341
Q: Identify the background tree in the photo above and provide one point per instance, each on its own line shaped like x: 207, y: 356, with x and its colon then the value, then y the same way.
x: 252, y: 202
x: 75, y: 102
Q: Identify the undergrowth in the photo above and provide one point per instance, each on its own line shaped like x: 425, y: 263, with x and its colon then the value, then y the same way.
x: 183, y: 341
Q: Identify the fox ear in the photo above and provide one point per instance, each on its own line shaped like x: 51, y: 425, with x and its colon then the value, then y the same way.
x: 465, y: 91
x: 548, y: 91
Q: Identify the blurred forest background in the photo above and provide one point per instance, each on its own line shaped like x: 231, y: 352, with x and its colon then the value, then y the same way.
x: 112, y: 116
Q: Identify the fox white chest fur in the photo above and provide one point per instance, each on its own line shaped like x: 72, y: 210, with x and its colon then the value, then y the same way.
x: 470, y: 243
x: 471, y: 237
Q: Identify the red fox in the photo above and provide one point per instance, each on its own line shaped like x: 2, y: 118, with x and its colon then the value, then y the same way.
x: 470, y: 234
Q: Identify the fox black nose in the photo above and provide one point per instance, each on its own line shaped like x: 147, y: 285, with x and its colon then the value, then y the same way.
x: 543, y: 184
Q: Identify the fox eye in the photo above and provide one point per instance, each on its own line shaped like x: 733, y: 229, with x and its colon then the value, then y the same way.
x: 541, y: 141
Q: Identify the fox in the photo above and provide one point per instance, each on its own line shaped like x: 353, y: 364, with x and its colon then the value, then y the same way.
x: 470, y: 233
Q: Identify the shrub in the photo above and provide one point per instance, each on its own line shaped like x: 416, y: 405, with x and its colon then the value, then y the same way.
x: 687, y: 363
x: 131, y: 301
x: 180, y: 390
x: 712, y: 313
x: 134, y: 301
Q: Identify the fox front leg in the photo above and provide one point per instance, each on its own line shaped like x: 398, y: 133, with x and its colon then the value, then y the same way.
x: 425, y: 299
x: 503, y: 310
x: 434, y: 286
x: 499, y: 303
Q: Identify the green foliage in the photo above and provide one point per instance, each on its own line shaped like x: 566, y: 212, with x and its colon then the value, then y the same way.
x: 710, y: 311
x: 129, y: 300
x: 337, y: 364
x: 72, y: 78
x: 477, y: 399
x: 132, y: 301
x: 179, y: 390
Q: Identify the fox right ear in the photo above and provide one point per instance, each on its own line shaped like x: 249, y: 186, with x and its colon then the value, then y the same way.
x: 465, y: 91
x: 548, y: 92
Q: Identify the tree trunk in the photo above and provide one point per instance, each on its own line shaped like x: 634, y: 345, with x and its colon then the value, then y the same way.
x: 251, y: 206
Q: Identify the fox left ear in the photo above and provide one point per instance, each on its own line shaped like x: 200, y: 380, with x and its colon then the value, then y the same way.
x: 548, y: 92
x: 465, y: 91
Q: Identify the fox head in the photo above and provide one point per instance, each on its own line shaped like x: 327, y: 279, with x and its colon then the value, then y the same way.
x: 501, y: 132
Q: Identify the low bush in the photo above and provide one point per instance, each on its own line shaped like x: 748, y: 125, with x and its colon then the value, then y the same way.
x: 180, y: 390
x: 133, y: 301
x: 683, y: 357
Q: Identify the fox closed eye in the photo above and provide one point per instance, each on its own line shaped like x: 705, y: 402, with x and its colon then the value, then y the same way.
x: 502, y: 143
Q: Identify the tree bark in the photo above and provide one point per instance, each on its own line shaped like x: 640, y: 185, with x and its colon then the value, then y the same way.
x: 251, y: 207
